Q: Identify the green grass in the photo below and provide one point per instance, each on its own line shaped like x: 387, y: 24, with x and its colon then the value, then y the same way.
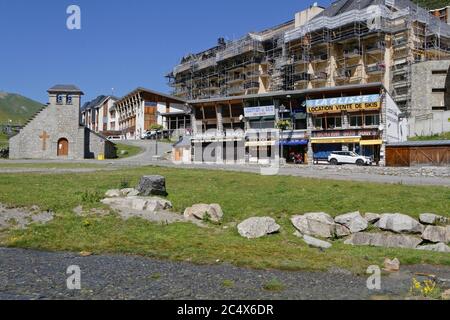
x: 241, y: 195
x: 443, y: 136
x: 17, y: 108
x: 274, y: 285
x: 3, y: 140
x: 56, y: 165
x: 130, y: 151
x: 228, y: 283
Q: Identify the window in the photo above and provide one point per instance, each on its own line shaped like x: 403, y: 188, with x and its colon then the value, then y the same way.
x: 334, y: 122
x: 59, y: 99
x: 318, y: 123
x: 69, y: 99
x: 439, y: 72
x: 356, y: 121
x: 439, y: 90
x: 372, y: 120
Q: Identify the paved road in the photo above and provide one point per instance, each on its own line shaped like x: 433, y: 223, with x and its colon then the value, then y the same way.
x: 347, y: 173
x: 26, y: 274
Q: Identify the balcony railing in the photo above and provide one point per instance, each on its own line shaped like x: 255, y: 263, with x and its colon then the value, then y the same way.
x: 319, y: 58
x: 251, y: 85
x: 376, y: 68
x: 352, y: 53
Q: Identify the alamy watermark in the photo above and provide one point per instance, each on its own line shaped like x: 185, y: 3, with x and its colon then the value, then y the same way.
x: 74, y: 19
x: 374, y: 281
x: 73, y: 282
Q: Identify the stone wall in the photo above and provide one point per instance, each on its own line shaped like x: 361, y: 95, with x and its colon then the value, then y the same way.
x: 97, y: 145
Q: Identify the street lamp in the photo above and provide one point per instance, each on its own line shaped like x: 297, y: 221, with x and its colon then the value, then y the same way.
x: 282, y: 110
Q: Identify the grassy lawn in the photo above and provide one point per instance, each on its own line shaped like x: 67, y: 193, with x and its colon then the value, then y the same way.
x: 3, y: 140
x: 443, y: 136
x: 130, y: 151
x: 241, y: 195
x: 56, y: 165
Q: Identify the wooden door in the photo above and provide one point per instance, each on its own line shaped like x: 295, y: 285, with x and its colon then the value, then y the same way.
x: 63, y: 147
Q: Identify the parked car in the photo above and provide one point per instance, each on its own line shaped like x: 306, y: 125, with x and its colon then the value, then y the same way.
x: 114, y: 138
x: 152, y: 135
x: 348, y: 157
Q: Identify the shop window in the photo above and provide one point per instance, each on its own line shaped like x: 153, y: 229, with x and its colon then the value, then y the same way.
x: 318, y: 123
x: 334, y: 122
x: 356, y: 121
x: 372, y: 120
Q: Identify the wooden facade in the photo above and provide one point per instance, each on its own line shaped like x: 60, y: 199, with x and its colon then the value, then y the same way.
x: 418, y: 154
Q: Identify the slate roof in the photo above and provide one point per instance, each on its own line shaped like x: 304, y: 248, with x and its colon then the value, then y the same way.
x: 70, y: 88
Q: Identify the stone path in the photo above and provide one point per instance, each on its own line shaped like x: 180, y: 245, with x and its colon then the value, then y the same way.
x: 26, y: 274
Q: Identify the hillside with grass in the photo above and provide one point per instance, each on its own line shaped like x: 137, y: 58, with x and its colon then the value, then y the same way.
x: 432, y: 4
x: 17, y: 108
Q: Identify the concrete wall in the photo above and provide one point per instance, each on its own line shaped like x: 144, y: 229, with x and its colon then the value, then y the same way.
x: 429, y: 124
x: 423, y: 99
x: 396, y: 129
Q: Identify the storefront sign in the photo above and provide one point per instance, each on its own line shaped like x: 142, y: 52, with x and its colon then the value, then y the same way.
x: 355, y: 103
x: 345, y: 133
x: 254, y: 112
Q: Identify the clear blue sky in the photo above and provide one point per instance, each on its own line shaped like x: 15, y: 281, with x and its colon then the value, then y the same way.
x: 122, y: 44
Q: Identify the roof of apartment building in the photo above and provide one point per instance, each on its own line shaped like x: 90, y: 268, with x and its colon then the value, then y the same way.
x: 97, y: 102
x: 153, y: 96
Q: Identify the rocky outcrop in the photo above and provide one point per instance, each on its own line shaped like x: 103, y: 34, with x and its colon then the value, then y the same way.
x: 439, y: 247
x: 317, y: 224
x: 138, y: 203
x: 316, y: 243
x: 257, y: 227
x: 372, y: 218
x: 399, y: 223
x: 353, y: 221
x: 437, y: 234
x: 385, y: 239
x: 152, y: 186
x: 212, y: 212
x: 432, y: 219
x: 391, y: 265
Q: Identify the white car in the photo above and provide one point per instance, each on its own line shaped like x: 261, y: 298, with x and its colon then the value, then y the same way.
x: 114, y: 138
x: 348, y: 157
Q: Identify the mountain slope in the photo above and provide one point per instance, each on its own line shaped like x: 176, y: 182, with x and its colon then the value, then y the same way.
x: 17, y: 108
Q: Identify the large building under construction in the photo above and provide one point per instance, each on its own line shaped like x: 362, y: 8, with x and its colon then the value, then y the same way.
x: 351, y: 42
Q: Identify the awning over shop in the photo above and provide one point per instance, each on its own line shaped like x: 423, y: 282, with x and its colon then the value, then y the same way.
x: 291, y: 143
x: 260, y: 143
x: 371, y: 142
x: 336, y: 140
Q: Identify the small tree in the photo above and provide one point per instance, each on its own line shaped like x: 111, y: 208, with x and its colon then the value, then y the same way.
x: 283, y: 124
x: 156, y: 127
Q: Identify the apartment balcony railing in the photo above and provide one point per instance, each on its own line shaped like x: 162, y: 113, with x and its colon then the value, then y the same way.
x: 343, y: 74
x: 236, y: 90
x: 301, y: 59
x: 319, y: 58
x: 376, y: 68
x: 319, y: 77
x: 376, y: 47
x: 251, y: 85
x: 302, y: 77
x: 352, y: 53
x: 236, y: 79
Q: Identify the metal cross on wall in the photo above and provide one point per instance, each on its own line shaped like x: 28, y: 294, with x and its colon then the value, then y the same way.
x: 44, y: 136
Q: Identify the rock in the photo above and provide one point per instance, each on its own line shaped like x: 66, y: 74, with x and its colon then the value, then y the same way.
x: 201, y: 211
x: 138, y: 203
x: 391, y: 265
x: 439, y: 247
x: 446, y: 295
x: 342, y: 231
x: 399, y: 223
x: 258, y: 227
x: 384, y: 240
x: 316, y: 243
x: 372, y: 218
x: 129, y: 192
x: 113, y: 193
x: 432, y: 219
x: 436, y: 234
x: 353, y: 221
x: 78, y: 211
x: 152, y: 186
x: 318, y: 224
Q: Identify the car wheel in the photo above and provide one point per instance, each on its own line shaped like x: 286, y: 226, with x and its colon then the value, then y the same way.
x: 334, y: 162
x: 359, y: 163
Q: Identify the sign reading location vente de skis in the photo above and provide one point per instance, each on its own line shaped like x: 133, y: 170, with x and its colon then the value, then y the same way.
x: 259, y: 111
x: 367, y: 102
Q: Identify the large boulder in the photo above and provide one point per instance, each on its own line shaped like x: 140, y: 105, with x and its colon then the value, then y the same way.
x: 436, y: 234
x: 432, y: 219
x: 257, y: 227
x: 316, y: 243
x: 138, y: 203
x: 317, y: 224
x: 342, y: 231
x: 387, y: 240
x: 212, y: 212
x: 113, y: 193
x: 439, y: 247
x: 399, y: 223
x: 152, y: 186
x: 129, y: 192
x: 353, y: 221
